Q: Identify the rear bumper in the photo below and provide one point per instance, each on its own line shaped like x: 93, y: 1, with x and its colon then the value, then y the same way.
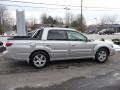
x: 18, y: 57
x: 7, y: 56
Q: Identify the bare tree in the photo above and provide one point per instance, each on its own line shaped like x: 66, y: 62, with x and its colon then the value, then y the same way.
x: 47, y: 19
x: 6, y: 22
x: 83, y: 24
x: 107, y: 21
x: 43, y: 18
x: 2, y: 16
x: 77, y: 23
x: 71, y: 17
x: 33, y: 24
x: 58, y: 20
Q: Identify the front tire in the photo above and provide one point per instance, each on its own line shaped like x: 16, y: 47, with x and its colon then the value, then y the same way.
x: 39, y: 59
x: 101, y: 55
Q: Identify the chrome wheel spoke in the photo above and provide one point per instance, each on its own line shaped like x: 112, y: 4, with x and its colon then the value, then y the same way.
x: 36, y: 57
x: 102, y: 55
x: 36, y: 62
x: 39, y: 60
x: 43, y: 61
x: 41, y: 57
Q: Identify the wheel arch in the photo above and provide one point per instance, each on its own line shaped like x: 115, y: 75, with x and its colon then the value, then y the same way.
x: 104, y: 48
x: 39, y: 51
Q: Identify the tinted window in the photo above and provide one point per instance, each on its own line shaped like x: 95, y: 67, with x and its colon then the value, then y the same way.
x: 75, y: 36
x: 57, y: 35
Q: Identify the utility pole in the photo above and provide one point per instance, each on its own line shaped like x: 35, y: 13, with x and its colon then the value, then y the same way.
x: 96, y: 23
x: 67, y: 16
x: 81, y: 16
x: 2, y: 23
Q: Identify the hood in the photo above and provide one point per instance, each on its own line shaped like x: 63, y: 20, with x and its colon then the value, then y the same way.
x: 102, y: 42
x: 97, y: 41
x: 108, y: 42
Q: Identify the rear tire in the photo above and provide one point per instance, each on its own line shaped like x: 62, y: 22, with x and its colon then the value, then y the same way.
x: 39, y: 59
x: 101, y: 55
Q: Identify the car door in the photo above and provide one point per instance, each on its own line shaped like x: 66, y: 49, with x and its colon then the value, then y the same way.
x: 57, y: 44
x: 79, y: 47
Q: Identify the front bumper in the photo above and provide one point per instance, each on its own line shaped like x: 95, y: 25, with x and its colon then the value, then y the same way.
x: 112, y: 52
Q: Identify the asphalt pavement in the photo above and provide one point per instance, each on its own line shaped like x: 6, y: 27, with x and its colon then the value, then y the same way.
x: 83, y: 74
x: 105, y: 82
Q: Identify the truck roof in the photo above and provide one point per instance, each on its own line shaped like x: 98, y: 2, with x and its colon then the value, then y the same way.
x: 58, y: 28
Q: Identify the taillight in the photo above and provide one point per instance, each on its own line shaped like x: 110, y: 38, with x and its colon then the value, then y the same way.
x: 8, y: 44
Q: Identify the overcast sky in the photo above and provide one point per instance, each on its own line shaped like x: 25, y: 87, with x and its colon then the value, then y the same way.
x: 108, y: 8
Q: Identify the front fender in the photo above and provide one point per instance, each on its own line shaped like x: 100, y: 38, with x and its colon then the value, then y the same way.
x: 102, y: 46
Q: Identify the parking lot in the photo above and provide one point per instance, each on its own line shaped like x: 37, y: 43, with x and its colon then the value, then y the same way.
x: 96, y: 36
x: 83, y: 74
x: 17, y: 75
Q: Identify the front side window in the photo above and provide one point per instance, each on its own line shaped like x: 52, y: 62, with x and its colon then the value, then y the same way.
x: 57, y: 35
x: 75, y: 36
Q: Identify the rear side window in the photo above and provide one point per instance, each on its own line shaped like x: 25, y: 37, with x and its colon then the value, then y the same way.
x: 38, y: 34
x: 57, y: 35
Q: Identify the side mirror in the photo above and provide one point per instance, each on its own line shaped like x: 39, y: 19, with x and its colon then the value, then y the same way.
x: 87, y: 40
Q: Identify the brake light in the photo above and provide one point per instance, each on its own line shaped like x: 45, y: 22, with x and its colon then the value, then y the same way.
x: 8, y: 44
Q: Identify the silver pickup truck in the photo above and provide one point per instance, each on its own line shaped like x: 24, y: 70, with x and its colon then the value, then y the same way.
x: 49, y: 44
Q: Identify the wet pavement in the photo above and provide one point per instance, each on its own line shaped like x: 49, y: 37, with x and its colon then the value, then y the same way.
x: 106, y: 82
x: 83, y: 74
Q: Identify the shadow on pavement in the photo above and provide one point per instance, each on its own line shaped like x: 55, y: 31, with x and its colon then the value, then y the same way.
x: 23, y: 66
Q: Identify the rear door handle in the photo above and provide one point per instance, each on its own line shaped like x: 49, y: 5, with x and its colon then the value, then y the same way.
x: 48, y: 45
x: 73, y: 45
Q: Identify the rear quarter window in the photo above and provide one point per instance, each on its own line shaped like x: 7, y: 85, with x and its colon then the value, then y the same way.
x: 38, y: 35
